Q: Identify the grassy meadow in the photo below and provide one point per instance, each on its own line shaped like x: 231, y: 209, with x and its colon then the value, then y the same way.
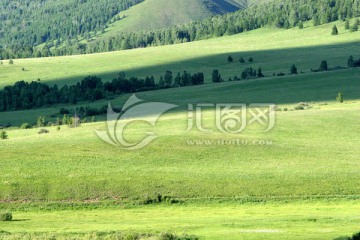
x: 272, y: 49
x: 157, y: 14
x: 302, y: 184
x: 149, y: 16
x: 321, y: 220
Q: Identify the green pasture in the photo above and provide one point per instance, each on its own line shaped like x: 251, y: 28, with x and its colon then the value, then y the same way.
x: 274, y: 50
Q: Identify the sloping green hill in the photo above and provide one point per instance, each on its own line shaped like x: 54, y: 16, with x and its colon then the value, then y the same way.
x: 303, y: 47
x: 156, y: 14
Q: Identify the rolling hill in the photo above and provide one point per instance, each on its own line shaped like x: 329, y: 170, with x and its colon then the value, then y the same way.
x: 157, y: 14
x: 197, y: 56
x: 298, y: 181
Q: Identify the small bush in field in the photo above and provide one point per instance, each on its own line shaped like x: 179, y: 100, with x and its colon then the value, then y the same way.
x: 3, y: 135
x: 43, y: 131
x: 5, y: 216
x: 25, y: 126
x: 340, y: 97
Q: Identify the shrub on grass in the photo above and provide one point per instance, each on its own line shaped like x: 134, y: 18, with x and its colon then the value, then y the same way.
x: 259, y: 73
x: 230, y: 59
x: 299, y: 107
x: 347, y: 25
x: 25, y: 126
x: 293, y: 69
x: 350, y: 62
x: 302, y: 106
x: 323, y: 66
x: 354, y: 27
x: 3, y: 135
x: 334, y: 30
x: 41, y: 121
x: 43, y: 131
x: 249, y: 73
x: 340, y: 97
x: 5, y: 216
x: 300, y: 25
x: 216, y: 77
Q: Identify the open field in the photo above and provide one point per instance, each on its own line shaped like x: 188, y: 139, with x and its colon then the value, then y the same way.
x: 73, y: 164
x: 272, y: 49
x: 298, y: 181
x: 289, y: 90
x: 307, y: 220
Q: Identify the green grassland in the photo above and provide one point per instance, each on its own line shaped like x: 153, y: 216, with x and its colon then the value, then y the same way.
x: 303, y: 184
x: 321, y: 220
x: 157, y: 14
x: 151, y: 15
x: 74, y: 164
x: 272, y: 49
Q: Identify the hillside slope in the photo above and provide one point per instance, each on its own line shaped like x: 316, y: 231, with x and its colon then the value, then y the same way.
x: 303, y: 47
x: 156, y: 14
x: 29, y: 23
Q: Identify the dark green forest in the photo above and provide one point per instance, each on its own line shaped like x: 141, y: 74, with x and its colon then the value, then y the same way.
x: 23, y: 95
x: 280, y: 14
x: 28, y: 23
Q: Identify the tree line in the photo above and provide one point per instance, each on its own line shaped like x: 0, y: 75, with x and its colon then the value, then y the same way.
x: 284, y: 14
x: 23, y: 95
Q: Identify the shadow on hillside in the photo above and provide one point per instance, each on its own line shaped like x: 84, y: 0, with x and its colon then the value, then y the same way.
x: 278, y: 59
x: 308, y: 87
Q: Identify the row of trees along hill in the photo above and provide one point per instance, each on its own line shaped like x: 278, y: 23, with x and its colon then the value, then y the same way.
x: 23, y: 95
x: 280, y: 14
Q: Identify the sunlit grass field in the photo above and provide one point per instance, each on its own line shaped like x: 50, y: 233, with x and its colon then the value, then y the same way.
x: 311, y: 155
x: 272, y: 49
x: 298, y: 220
x: 302, y: 184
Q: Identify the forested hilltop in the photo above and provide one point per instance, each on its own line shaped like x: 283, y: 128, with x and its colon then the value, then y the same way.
x: 27, y: 23
x: 280, y: 14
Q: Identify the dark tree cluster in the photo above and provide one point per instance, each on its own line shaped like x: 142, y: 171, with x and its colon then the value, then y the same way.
x: 353, y: 63
x: 250, y: 73
x: 23, y: 95
x: 280, y: 14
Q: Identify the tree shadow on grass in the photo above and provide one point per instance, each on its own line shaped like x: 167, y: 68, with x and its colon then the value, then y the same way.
x: 20, y: 220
